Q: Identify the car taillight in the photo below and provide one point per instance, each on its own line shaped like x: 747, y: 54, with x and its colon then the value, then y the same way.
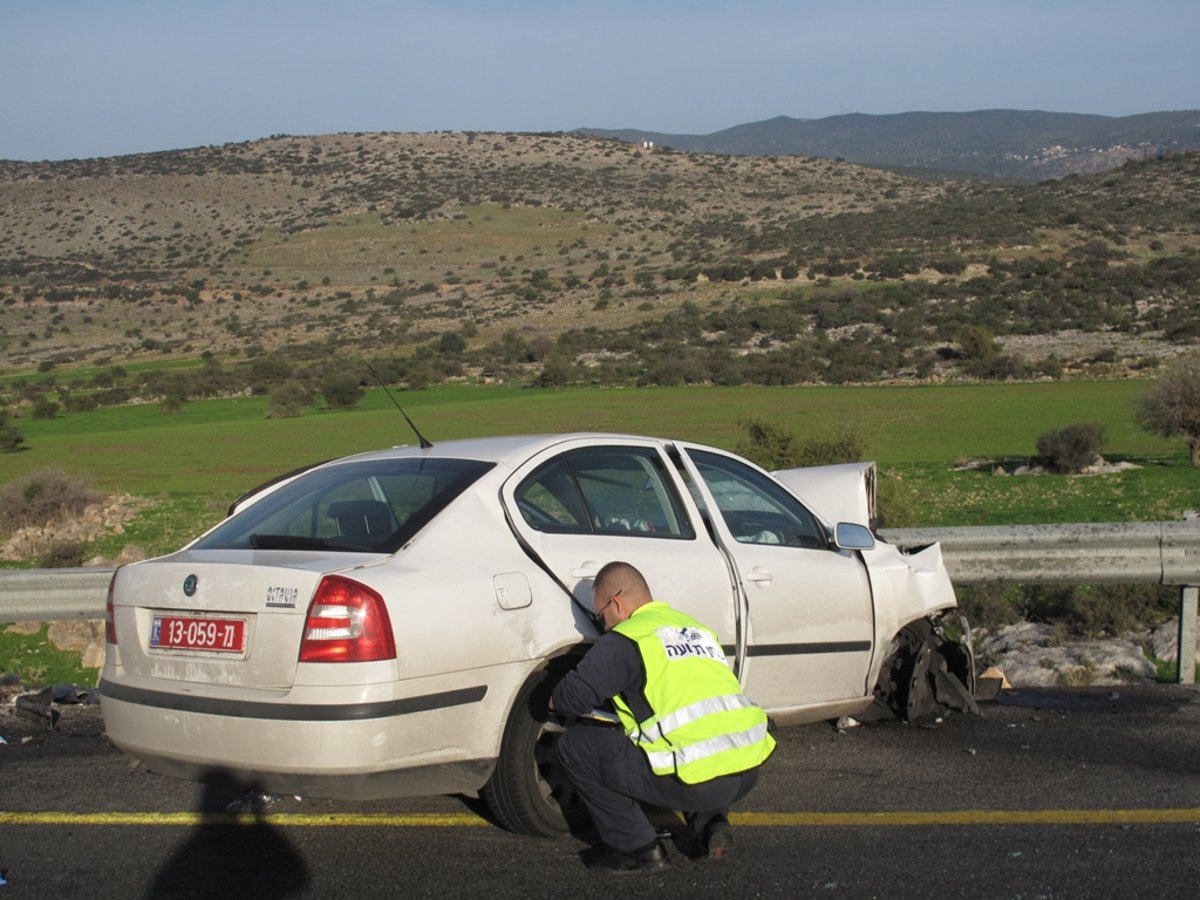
x: 347, y: 622
x: 110, y: 622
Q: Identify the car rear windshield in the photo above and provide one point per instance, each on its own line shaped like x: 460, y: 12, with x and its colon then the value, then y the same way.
x: 375, y: 506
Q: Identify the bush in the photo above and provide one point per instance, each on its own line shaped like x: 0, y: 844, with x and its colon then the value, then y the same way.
x: 287, y: 400
x: 45, y: 408
x: 1071, y: 449
x: 1171, y: 407
x: 42, y: 497
x: 773, y: 448
x: 63, y: 555
x: 832, y: 448
x: 1107, y: 610
x: 342, y: 391
x: 767, y: 445
x: 990, y: 606
x: 895, y: 507
x: 11, y: 440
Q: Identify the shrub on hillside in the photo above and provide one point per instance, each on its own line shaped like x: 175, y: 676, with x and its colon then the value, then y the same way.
x: 42, y: 497
x: 63, y: 555
x: 768, y: 445
x: 832, y: 448
x: 1072, y: 448
x: 774, y: 448
x: 341, y: 390
x: 11, y: 440
x: 45, y: 408
x: 1108, y: 610
x: 287, y: 400
x: 1171, y: 407
x: 990, y: 606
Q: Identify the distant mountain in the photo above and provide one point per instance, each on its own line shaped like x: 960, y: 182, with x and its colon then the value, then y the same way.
x: 997, y: 143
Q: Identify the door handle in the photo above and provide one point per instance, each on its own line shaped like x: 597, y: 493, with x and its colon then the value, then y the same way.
x: 588, y: 569
x: 758, y: 575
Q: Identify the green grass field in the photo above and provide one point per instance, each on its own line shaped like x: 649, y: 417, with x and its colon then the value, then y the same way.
x: 37, y: 662
x: 200, y: 458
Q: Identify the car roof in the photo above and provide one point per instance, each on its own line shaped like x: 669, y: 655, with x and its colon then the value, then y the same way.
x: 508, y: 450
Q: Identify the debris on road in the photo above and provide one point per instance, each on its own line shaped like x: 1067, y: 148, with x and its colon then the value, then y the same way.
x: 36, y: 707
x: 27, y: 716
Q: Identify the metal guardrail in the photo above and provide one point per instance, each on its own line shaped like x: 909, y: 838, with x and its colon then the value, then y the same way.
x: 1136, y: 553
x: 49, y: 595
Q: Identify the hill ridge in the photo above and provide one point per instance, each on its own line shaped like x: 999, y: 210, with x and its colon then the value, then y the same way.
x: 566, y: 258
x: 1020, y: 145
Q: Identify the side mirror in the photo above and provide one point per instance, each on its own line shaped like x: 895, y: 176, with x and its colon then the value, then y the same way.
x: 850, y: 536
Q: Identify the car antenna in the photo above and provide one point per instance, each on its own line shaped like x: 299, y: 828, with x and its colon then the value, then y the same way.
x: 425, y: 445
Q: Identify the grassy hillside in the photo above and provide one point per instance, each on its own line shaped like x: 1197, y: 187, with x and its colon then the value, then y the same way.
x: 455, y: 254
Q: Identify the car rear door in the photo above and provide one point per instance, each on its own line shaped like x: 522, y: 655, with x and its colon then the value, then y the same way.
x: 585, y: 503
x: 809, y: 606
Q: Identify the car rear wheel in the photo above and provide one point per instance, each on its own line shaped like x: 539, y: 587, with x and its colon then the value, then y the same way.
x: 527, y: 792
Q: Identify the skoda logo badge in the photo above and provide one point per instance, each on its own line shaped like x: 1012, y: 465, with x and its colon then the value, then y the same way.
x: 189, y: 585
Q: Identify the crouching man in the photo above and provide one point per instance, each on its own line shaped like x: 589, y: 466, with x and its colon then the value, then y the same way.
x: 691, y: 741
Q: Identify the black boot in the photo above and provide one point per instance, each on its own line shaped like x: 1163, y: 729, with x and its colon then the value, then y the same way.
x: 651, y: 858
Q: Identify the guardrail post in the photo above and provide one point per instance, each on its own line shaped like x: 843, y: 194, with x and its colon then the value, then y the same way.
x: 1186, y: 671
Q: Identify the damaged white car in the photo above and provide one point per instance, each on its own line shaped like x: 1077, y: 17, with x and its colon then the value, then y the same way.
x: 389, y: 624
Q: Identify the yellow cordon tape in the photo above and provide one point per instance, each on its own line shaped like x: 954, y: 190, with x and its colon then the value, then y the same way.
x: 750, y: 819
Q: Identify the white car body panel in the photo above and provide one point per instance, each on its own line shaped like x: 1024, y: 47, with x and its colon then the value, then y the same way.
x: 841, y: 493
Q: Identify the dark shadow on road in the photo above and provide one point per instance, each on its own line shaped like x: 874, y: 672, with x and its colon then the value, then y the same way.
x: 226, y: 857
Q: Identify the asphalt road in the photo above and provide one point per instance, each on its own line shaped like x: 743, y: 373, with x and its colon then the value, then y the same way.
x: 1048, y: 794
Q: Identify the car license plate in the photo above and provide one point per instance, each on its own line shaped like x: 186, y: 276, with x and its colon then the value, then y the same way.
x: 192, y: 633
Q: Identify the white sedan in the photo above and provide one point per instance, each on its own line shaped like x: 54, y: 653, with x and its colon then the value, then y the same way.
x: 390, y: 624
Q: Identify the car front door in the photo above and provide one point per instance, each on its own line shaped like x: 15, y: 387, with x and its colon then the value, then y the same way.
x: 808, y: 604
x: 585, y: 504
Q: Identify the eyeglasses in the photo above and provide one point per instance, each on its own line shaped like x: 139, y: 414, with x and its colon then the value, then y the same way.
x: 598, y: 616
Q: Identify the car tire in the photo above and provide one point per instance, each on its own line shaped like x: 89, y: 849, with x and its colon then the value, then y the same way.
x: 527, y: 792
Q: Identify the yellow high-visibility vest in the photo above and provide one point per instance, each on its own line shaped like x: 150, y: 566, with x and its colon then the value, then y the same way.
x: 702, y: 726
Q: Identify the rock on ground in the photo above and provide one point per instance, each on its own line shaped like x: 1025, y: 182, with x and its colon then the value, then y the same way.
x: 1033, y: 655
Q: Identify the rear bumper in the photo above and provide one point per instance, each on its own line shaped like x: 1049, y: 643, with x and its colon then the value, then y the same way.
x: 428, y: 744
x: 293, y: 712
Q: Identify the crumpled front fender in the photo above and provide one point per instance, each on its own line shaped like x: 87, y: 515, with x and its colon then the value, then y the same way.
x: 913, y: 584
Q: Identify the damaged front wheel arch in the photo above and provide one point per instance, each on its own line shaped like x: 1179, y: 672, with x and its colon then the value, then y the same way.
x: 926, y: 672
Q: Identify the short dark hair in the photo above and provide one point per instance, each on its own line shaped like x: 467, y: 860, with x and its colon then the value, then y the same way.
x: 624, y: 575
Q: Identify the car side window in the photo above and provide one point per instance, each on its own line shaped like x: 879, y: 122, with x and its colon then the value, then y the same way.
x: 549, y: 499
x: 756, y: 510
x: 604, y: 490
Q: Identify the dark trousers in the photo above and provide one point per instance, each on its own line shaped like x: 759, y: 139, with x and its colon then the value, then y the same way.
x: 611, y: 775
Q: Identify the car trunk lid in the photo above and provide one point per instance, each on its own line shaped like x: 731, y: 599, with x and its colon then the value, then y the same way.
x: 232, y: 618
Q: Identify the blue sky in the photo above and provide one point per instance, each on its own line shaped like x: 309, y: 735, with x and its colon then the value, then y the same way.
x: 83, y: 78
